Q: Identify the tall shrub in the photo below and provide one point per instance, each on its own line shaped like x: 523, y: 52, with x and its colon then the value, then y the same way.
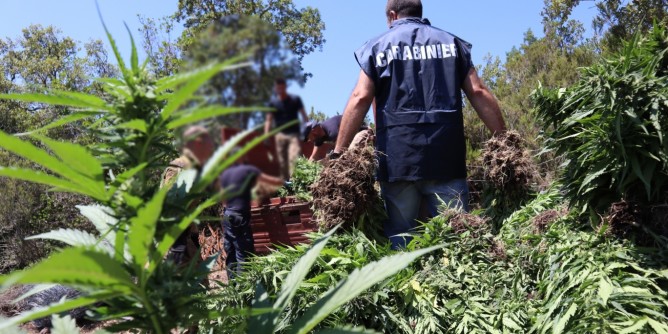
x: 612, y: 126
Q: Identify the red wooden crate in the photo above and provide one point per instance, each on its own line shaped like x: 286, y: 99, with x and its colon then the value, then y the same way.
x: 261, y: 156
x: 264, y: 156
x: 284, y: 221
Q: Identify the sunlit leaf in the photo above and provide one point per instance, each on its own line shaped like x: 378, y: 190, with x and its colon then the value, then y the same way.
x: 353, y: 285
x: 76, y: 266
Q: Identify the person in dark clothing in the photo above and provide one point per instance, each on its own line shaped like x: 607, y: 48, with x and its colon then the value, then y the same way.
x: 415, y: 73
x: 239, y: 180
x: 323, y: 132
x: 287, y: 107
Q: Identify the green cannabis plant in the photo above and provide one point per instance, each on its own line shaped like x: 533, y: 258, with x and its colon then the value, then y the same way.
x: 612, y: 126
x: 121, y: 269
x: 305, y: 174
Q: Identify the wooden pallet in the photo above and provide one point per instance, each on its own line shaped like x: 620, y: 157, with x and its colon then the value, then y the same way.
x: 283, y: 221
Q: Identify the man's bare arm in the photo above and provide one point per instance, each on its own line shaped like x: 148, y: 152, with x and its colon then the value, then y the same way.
x: 267, y: 122
x: 271, y: 180
x: 483, y: 102
x: 353, y: 116
x: 304, y: 115
x: 318, y: 153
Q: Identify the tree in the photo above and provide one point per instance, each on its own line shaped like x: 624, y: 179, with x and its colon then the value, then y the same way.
x: 318, y: 115
x: 559, y: 29
x: 236, y: 35
x: 302, y: 28
x: 619, y: 20
x: 40, y: 59
x: 214, y: 28
x: 164, y: 55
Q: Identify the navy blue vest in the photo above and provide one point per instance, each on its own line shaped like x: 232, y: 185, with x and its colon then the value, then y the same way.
x: 418, y: 71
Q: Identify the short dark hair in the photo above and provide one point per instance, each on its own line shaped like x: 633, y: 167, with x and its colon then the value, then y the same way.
x: 280, y: 81
x: 404, y: 8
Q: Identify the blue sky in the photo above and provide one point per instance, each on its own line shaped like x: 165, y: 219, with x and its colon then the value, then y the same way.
x: 492, y: 26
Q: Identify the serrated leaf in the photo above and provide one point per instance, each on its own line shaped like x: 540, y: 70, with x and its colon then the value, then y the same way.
x: 185, y: 93
x: 135, y: 124
x: 173, y: 81
x: 659, y: 327
x: 143, y: 227
x: 56, y: 99
x: 73, y: 238
x: 266, y: 323
x: 58, y: 307
x: 77, y: 157
x: 563, y: 321
x: 191, y: 116
x: 45, y: 179
x: 101, y: 216
x: 76, y: 266
x: 510, y: 323
x: 77, y: 116
x: 127, y: 75
x: 635, y: 326
x: 353, y: 285
x: 604, y: 290
x: 63, y: 325
x: 41, y: 157
x: 134, y: 59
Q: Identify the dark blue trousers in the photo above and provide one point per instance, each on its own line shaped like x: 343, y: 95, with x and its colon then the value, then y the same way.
x: 238, y: 241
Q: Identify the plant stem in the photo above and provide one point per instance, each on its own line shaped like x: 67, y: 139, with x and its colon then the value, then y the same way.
x: 151, y: 312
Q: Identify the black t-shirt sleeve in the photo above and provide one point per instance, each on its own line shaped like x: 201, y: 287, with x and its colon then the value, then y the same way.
x: 298, y: 103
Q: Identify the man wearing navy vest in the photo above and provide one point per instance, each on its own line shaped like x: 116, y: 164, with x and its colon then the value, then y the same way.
x: 416, y: 73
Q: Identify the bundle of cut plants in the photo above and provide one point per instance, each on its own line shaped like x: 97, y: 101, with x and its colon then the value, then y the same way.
x: 345, y: 192
x: 506, y: 175
x: 304, y: 175
x: 507, y: 166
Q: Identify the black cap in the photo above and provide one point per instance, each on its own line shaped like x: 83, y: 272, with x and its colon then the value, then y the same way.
x: 307, y: 129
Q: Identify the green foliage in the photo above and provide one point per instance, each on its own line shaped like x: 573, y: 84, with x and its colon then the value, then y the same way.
x: 249, y: 86
x: 523, y: 280
x: 64, y: 325
x: 618, y: 21
x: 320, y: 116
x: 552, y: 60
x: 11, y: 329
x: 305, y: 174
x: 611, y: 126
x: 41, y: 58
x: 122, y: 263
x: 327, y: 284
x: 302, y: 27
